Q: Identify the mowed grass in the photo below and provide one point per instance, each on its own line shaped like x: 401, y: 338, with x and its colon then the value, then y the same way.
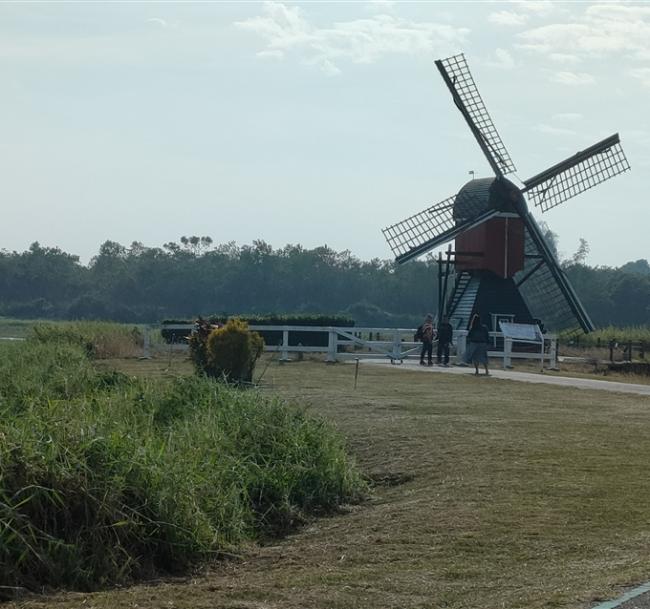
x: 489, y: 493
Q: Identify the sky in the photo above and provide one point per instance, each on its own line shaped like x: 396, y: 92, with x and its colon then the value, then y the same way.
x: 317, y: 123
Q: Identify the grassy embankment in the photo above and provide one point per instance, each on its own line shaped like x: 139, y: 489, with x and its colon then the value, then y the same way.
x: 105, y: 477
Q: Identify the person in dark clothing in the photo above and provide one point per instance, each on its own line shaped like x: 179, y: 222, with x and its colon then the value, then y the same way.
x: 425, y: 334
x: 445, y: 337
x: 478, y: 338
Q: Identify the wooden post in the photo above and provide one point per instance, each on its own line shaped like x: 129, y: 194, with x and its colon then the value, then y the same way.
x: 397, y: 347
x: 440, y: 295
x: 284, y: 357
x: 146, y: 348
x: 507, y: 352
x: 552, y: 354
x: 331, y: 347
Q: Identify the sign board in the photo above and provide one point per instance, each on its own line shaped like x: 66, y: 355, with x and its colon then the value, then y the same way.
x: 522, y: 332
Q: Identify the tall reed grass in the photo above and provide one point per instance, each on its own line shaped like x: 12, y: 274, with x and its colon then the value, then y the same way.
x: 602, y: 336
x: 101, y: 340
x: 105, y: 478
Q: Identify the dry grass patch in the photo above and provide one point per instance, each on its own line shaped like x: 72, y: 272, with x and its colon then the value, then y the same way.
x: 512, y: 495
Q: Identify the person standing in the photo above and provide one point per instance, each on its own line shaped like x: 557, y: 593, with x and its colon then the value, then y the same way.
x: 445, y: 338
x: 478, y: 338
x: 425, y: 334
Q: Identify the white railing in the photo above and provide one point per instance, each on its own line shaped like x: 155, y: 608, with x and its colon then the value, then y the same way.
x: 396, y: 344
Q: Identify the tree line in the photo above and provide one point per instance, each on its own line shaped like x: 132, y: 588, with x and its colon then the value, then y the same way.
x: 143, y: 284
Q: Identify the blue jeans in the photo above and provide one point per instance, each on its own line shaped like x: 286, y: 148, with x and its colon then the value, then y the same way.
x: 427, y: 347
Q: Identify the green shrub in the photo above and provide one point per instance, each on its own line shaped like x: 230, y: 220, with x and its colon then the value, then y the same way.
x: 228, y: 352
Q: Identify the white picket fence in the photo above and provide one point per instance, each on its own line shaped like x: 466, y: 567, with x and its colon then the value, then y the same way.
x: 395, y: 344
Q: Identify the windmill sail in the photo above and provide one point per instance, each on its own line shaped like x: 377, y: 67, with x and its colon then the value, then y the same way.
x: 545, y: 287
x: 434, y: 226
x: 578, y: 173
x: 455, y: 72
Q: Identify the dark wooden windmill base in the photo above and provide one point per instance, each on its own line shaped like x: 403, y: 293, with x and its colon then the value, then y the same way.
x: 493, y: 298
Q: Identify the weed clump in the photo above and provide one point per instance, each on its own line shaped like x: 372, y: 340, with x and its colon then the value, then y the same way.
x: 105, y: 478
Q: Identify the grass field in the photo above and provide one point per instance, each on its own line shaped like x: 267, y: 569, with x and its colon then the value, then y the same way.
x: 487, y: 493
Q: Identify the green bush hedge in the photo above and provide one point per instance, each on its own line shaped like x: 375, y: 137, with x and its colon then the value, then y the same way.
x: 314, y: 339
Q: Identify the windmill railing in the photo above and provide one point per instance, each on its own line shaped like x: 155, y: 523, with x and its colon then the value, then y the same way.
x: 394, y: 344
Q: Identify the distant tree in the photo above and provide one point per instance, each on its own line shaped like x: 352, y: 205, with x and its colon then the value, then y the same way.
x: 551, y: 238
x: 182, y: 280
x: 196, y: 245
x: 640, y: 267
x: 630, y: 299
x: 581, y: 253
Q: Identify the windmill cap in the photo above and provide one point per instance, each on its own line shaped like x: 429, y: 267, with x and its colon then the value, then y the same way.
x: 483, y: 194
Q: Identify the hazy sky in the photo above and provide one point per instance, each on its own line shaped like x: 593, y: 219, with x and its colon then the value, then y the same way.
x: 313, y: 122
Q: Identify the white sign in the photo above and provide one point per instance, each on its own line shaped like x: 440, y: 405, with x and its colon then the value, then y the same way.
x: 527, y: 332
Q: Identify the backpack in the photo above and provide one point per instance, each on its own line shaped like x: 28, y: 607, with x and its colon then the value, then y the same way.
x: 419, y: 335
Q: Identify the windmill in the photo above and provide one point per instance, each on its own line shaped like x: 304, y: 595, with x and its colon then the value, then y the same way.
x: 504, y: 266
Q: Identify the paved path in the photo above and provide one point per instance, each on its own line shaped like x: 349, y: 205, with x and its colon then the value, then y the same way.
x: 525, y: 377
x: 637, y: 598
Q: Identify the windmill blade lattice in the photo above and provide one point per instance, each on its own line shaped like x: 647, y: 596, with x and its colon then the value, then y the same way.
x: 433, y: 226
x: 546, y: 289
x: 460, y: 82
x: 577, y: 174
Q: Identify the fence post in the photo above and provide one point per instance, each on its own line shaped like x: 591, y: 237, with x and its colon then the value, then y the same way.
x: 397, y: 347
x: 284, y: 357
x: 331, y: 347
x: 146, y: 348
x: 507, y: 352
x: 642, y: 350
x: 552, y: 354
